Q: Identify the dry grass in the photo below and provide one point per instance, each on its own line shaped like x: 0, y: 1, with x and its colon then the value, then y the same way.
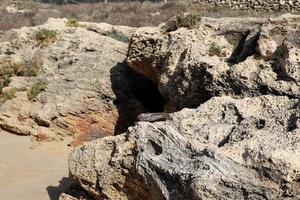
x: 119, y: 37
x: 214, y: 50
x: 36, y: 89
x: 187, y: 20
x: 134, y: 14
x: 6, y: 95
x: 131, y: 14
x: 4, y: 26
x: 19, y: 69
x: 45, y: 37
x: 16, y: 20
x: 74, y: 23
x: 7, y: 70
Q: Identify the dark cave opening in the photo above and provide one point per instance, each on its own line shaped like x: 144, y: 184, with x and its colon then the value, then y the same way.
x: 147, y: 93
x: 245, y: 48
x: 135, y: 94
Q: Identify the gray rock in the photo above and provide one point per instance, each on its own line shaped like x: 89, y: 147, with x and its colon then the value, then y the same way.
x: 225, y: 149
x: 89, y: 88
x: 65, y: 196
x: 238, y: 57
x: 268, y: 5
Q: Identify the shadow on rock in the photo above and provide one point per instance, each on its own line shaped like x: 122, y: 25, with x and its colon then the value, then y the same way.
x: 135, y: 94
x: 55, y: 191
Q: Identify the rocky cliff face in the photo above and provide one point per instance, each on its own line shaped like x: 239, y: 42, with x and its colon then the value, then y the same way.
x: 232, y: 84
x: 240, y: 139
x: 65, y: 78
x: 224, y: 149
x: 227, y: 56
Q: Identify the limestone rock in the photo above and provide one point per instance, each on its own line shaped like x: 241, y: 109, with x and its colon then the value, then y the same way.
x: 238, y: 57
x: 66, y: 197
x: 75, y: 192
x: 225, y: 149
x: 87, y: 90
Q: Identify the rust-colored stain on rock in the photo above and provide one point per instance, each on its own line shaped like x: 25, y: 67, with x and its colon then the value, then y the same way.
x: 93, y: 125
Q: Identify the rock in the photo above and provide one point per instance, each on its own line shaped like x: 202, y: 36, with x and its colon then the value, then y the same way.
x: 238, y: 57
x: 82, y: 87
x: 266, y: 47
x: 13, y: 10
x: 225, y: 149
x: 65, y: 196
x: 256, y: 5
x: 75, y: 192
x: 289, y: 61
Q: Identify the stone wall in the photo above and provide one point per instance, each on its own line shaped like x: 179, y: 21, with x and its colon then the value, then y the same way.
x: 265, y: 5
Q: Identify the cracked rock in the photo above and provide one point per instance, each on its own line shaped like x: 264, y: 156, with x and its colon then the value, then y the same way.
x: 225, y: 149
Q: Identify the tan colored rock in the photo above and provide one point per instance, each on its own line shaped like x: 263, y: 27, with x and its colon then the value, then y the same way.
x: 224, y: 149
x: 66, y: 197
x: 147, y: 65
x: 242, y: 144
x: 239, y: 57
x: 289, y: 62
x: 266, y: 46
x: 88, y: 87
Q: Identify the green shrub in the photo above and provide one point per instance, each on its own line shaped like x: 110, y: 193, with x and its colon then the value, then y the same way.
x: 27, y: 70
x: 74, y: 23
x: 214, y: 50
x: 6, y: 95
x: 45, y: 37
x: 8, y: 70
x: 36, y: 89
x: 6, y: 81
x: 119, y: 37
x: 187, y: 20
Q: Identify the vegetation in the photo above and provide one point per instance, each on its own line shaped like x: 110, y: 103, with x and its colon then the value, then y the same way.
x: 6, y: 95
x: 121, y: 13
x: 36, y: 89
x: 26, y: 69
x: 119, y: 37
x: 214, y: 50
x: 60, y: 2
x: 45, y: 37
x: 187, y: 20
x: 74, y: 23
x: 8, y: 70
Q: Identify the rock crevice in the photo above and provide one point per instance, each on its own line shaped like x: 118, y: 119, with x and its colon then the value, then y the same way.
x: 234, y: 84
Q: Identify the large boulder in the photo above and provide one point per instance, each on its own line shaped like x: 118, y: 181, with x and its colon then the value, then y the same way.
x: 192, y: 59
x: 225, y: 149
x: 68, y: 78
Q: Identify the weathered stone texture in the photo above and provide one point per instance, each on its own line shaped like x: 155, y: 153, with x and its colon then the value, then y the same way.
x: 228, y: 56
x: 88, y: 85
x: 239, y: 138
x: 261, y: 5
x: 225, y: 149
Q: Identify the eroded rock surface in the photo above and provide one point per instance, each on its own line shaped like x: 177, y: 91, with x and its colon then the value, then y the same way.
x: 225, y: 149
x: 242, y: 142
x: 238, y: 57
x: 87, y: 90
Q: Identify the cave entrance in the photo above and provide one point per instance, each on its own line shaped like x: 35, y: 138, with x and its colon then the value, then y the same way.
x: 135, y: 94
x: 147, y: 93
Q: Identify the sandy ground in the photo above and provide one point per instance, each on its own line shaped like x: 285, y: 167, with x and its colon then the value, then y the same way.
x: 32, y: 171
